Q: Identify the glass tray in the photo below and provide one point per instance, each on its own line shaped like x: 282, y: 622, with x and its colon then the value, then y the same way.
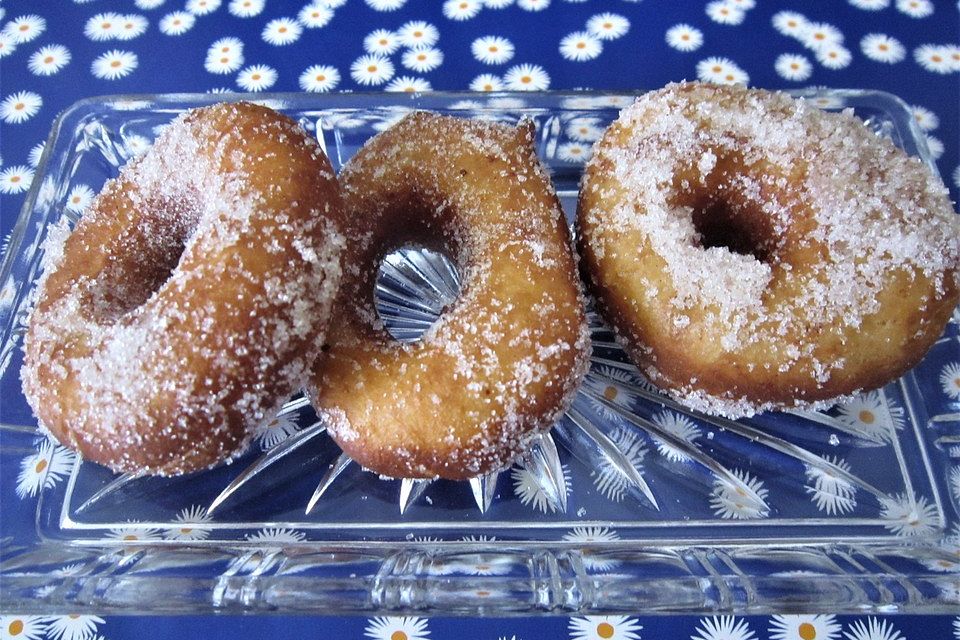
x: 630, y: 503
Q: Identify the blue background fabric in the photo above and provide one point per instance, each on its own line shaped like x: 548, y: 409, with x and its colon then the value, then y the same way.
x: 55, y: 53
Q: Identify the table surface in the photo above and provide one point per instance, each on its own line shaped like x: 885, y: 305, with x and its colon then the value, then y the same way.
x: 54, y: 53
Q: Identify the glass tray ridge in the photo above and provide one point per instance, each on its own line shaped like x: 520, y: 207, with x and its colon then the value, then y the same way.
x: 630, y: 501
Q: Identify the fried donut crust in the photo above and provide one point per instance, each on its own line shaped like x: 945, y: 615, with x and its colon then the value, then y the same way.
x: 192, y: 296
x: 503, y: 361
x: 753, y: 252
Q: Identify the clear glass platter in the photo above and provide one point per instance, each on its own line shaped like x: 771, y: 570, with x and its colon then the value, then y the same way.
x: 631, y: 502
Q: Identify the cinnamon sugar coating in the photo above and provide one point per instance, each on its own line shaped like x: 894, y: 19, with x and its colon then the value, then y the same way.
x: 503, y: 362
x: 754, y: 253
x: 191, y: 298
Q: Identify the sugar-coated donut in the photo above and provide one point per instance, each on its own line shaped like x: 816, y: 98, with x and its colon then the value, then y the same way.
x: 192, y: 296
x: 753, y: 252
x: 503, y: 361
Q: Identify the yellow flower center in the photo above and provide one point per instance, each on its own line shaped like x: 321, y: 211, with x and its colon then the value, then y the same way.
x: 866, y: 416
x: 321, y: 78
x: 282, y: 29
x: 19, y: 106
x: 526, y: 79
x: 130, y: 537
x: 115, y: 64
x: 610, y: 393
x: 224, y: 60
x: 41, y: 465
x: 15, y: 179
x: 398, y: 635
x: 372, y: 68
x: 581, y: 45
x: 48, y: 60
x: 185, y: 530
x: 605, y: 630
x: 936, y: 58
x: 255, y: 76
x: 16, y: 627
x: 24, y: 27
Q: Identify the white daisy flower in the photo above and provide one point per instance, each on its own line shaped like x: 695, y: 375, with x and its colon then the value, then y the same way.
x: 224, y: 56
x: 955, y: 482
x: 790, y: 66
x: 103, y: 26
x: 608, y: 26
x: 131, y: 533
x: 246, y: 8
x: 882, y: 48
x: 422, y: 60
x: 15, y: 179
x: 723, y: 628
x: 79, y: 198
x: 497, y: 4
x: 526, y: 77
x: 418, y: 34
x: 395, y: 628
x: 872, y: 416
x: 592, y: 536
x: 584, y: 129
x: 804, y: 627
x: 870, y: 5
x: 604, y: 628
x: 270, y: 433
x: 48, y: 60
x: 721, y: 71
x: 602, y: 381
x: 915, y: 8
x: 371, y: 70
x: 683, y: 37
x: 820, y: 35
x: 331, y: 4
x: 7, y: 44
x: 950, y: 374
x: 579, y: 46
x: 202, y: 7
x: 477, y: 564
x: 834, y: 56
x: 134, y: 145
x: 275, y: 539
x: 731, y: 502
x: 609, y: 481
x: 680, y: 426
x: 146, y: 5
x: 315, y: 16
x: 461, y: 9
x: 936, y: 58
x: 789, y: 23
x: 906, y: 517
x: 73, y: 627
x: 281, y: 31
x: 192, y: 524
x: 408, y: 84
x: 177, y: 23
x: 20, y: 106
x: 319, y: 78
x: 528, y: 489
x: 492, y: 49
x: 533, y: 5
x: 486, y: 82
x: 23, y: 627
x: 873, y: 629
x: 257, y: 77
x: 36, y: 151
x: 48, y: 466
x: 830, y: 493
x: 131, y: 26
x: 927, y: 119
x: 936, y: 147
x: 724, y: 12
x: 385, y: 5
x: 746, y: 5
x: 574, y: 152
x: 381, y: 42
x: 946, y: 565
x: 114, y: 64
x: 25, y: 28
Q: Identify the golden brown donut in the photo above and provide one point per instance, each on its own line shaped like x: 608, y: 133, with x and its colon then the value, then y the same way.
x: 502, y: 363
x: 753, y: 252
x: 192, y: 296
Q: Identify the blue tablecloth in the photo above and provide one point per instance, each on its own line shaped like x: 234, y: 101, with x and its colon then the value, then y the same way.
x: 54, y: 53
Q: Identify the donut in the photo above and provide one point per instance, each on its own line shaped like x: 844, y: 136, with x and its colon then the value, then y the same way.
x: 503, y: 361
x: 192, y: 296
x: 754, y: 253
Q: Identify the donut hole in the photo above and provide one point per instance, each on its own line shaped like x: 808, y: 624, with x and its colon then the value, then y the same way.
x: 138, y: 266
x: 415, y: 284
x: 734, y: 227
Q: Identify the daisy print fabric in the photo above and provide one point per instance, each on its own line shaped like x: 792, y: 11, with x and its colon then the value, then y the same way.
x: 55, y: 54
